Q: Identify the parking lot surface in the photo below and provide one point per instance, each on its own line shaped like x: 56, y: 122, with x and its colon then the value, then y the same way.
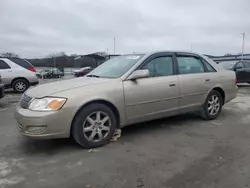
x: 179, y: 152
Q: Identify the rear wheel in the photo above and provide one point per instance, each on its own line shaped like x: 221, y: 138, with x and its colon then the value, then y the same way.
x: 212, y: 106
x: 94, y: 125
x: 20, y: 85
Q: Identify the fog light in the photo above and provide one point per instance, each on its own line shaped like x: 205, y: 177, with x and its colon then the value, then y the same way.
x: 36, y: 129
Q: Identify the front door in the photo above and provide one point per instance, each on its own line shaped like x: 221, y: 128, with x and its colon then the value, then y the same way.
x: 6, y: 73
x: 240, y: 72
x: 247, y: 71
x: 155, y: 96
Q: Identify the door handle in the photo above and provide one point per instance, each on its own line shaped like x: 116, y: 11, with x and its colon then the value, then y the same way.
x: 171, y: 85
x: 207, y: 80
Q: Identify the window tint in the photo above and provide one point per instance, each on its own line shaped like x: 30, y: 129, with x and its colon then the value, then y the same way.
x: 21, y: 62
x: 161, y: 66
x: 239, y: 65
x: 4, y: 65
x: 209, y: 67
x: 247, y: 64
x: 189, y: 65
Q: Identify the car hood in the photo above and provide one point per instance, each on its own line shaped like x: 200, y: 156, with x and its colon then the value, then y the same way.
x: 56, y: 87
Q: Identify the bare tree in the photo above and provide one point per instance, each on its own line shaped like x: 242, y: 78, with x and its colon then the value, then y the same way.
x: 9, y: 55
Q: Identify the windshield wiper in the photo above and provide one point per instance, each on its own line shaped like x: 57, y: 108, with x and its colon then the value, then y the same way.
x: 92, y: 75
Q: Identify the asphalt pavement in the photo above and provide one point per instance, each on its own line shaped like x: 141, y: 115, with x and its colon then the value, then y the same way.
x: 179, y: 152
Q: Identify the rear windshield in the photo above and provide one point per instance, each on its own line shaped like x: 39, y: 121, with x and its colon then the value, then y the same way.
x: 21, y: 62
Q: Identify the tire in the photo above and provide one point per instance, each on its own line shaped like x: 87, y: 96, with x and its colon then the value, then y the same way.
x: 83, y: 130
x: 20, y: 85
x: 211, y: 109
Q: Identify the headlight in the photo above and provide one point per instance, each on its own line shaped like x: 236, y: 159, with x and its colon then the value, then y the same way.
x: 47, y: 104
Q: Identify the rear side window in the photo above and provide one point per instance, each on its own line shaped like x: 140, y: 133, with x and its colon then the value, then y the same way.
x: 4, y: 65
x: 189, y: 65
x: 209, y: 67
x: 21, y: 62
x: 247, y: 65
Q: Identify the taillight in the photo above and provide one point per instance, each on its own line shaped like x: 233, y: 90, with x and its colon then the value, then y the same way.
x: 32, y: 69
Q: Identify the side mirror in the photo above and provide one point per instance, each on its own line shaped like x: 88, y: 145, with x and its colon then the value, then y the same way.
x: 139, y: 74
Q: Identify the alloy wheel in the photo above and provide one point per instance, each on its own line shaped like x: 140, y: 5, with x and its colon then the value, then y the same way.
x: 20, y: 86
x: 96, y: 126
x: 213, y: 105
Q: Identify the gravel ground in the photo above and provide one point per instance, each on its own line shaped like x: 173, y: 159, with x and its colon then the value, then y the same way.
x: 178, y: 152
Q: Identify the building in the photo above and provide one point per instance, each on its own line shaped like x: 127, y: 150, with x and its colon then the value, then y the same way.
x: 93, y: 60
x: 230, y: 58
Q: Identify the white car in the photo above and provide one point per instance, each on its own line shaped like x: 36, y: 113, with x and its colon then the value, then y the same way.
x: 18, y: 74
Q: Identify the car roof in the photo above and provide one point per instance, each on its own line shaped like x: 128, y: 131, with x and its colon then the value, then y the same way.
x: 162, y: 51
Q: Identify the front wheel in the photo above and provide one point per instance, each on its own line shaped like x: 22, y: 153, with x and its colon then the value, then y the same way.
x: 94, y: 125
x: 212, y: 106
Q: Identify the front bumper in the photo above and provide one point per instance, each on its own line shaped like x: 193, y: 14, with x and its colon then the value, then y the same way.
x: 1, y: 91
x: 55, y: 124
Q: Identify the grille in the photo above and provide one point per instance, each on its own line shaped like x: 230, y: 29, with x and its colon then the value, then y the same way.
x: 25, y: 100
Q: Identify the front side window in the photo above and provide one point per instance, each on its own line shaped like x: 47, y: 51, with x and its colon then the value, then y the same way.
x: 160, y: 66
x: 189, y: 65
x: 116, y: 67
x: 4, y: 65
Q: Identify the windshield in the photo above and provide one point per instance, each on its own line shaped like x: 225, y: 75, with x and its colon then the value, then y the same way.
x: 227, y: 64
x: 116, y: 67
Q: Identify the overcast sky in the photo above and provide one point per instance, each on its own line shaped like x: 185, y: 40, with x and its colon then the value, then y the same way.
x: 36, y: 28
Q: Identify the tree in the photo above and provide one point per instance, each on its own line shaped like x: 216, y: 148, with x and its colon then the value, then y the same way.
x: 9, y: 55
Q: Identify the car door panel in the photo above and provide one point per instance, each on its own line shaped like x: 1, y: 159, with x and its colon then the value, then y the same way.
x: 150, y: 98
x: 240, y: 72
x: 193, y: 90
x: 246, y: 71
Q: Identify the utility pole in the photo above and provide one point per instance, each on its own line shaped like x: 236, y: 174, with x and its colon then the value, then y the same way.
x: 191, y: 48
x: 54, y: 61
x: 243, y: 44
x: 114, y: 45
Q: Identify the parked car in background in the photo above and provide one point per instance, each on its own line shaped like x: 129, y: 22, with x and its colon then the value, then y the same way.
x: 82, y: 72
x: 50, y: 73
x: 241, y: 68
x: 122, y: 91
x: 1, y: 88
x: 18, y: 74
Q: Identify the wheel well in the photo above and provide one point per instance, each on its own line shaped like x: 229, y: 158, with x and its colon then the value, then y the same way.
x: 110, y: 105
x: 21, y: 78
x: 222, y: 93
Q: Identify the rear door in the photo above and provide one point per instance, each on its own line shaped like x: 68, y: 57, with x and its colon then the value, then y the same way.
x: 6, y: 72
x: 193, y: 80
